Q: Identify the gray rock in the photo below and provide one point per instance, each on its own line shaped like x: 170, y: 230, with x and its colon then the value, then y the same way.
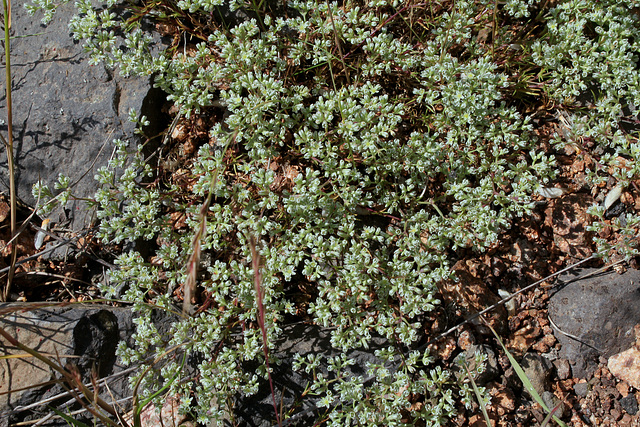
x: 538, y: 370
x: 66, y: 112
x: 581, y: 389
x: 629, y: 404
x: 492, y: 370
x: 552, y: 402
x: 595, y: 316
x: 76, y: 337
x: 563, y: 370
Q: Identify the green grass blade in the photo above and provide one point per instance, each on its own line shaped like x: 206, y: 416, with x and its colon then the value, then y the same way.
x: 479, y: 396
x: 68, y: 419
x: 525, y: 381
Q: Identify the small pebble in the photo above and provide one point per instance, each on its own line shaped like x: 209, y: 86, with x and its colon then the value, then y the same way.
x: 629, y: 404
x: 466, y: 340
x: 581, y: 389
x: 623, y: 388
x: 563, y: 369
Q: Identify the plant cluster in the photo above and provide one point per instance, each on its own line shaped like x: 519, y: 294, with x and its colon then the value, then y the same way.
x: 363, y: 144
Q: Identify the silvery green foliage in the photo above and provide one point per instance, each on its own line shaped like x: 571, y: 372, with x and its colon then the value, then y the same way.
x: 47, y: 199
x: 591, y: 50
x: 519, y: 8
x: 626, y: 226
x: 348, y: 181
x: 46, y: 7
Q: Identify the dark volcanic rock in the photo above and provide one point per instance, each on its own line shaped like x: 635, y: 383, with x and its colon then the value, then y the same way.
x: 629, y: 404
x: 95, y: 339
x: 65, y: 111
x: 75, y: 337
x: 595, y: 316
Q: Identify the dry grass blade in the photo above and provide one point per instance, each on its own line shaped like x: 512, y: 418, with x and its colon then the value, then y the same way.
x: 72, y: 378
x: 550, y: 415
x: 25, y: 356
x: 255, y: 263
x: 31, y: 387
x: 24, y: 307
x: 194, y: 258
x: 58, y: 396
x: 4, y: 295
x: 87, y: 400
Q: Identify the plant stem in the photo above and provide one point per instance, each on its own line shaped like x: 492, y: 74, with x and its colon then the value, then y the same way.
x: 9, y: 145
x: 255, y: 263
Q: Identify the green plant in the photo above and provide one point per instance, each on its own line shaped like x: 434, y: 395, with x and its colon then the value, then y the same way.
x: 480, y: 396
x: 364, y: 144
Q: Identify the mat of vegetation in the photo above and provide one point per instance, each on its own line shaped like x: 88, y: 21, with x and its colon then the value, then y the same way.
x: 339, y: 163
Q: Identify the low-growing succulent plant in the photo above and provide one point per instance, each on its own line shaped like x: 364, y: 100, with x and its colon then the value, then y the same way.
x: 362, y: 144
